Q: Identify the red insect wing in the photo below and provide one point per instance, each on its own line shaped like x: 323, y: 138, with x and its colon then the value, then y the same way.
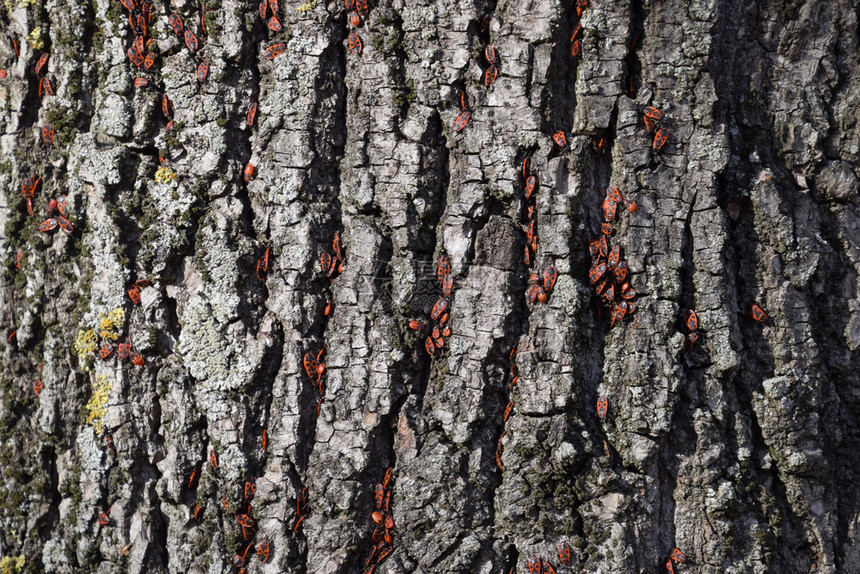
x: 602, y: 406
x: 149, y: 61
x: 575, y: 48
x: 490, y: 53
x: 123, y: 350
x: 310, y: 364
x: 213, y: 462
x: 618, y: 312
x: 508, y: 410
x: 263, y: 549
x: 138, y: 43
x: 141, y: 82
x: 248, y: 173
x: 134, y: 294
x: 559, y: 138
x: 533, y: 292
x: 443, y: 319
x: 527, y: 163
x: 274, y: 51
x: 38, y: 386
x: 135, y: 56
x: 547, y: 568
x: 103, y: 519
x: 105, y: 351
x: 620, y: 272
x: 3, y: 74
x: 669, y: 568
x: 129, y: 5
x: 660, y: 138
x: 428, y: 345
x: 326, y: 263
x: 757, y: 313
x: 613, y: 194
x: 166, y: 105
x: 48, y: 135
x: 137, y: 360
x: 197, y: 510
x: 40, y: 64
x: 202, y: 71
x: 534, y: 565
x: 355, y: 44
x: 447, y: 285
x: 261, y: 269
x: 649, y: 124
x: 443, y: 269
x: 273, y: 7
x: 564, y: 553
x: 678, y: 556
x: 609, y: 208
x: 191, y: 40
x: 614, y: 256
x: 609, y: 294
x: 594, y: 246
x: 378, y: 495
x: 527, y: 258
x: 596, y: 272
x: 576, y: 31
x: 176, y: 23
x: 48, y: 224
x: 416, y: 325
x: 606, y: 228
x: 691, y: 320
x: 531, y: 186
x: 262, y: 8
x: 438, y: 308
x: 336, y: 246
x: 691, y: 340
x: 355, y: 19
x: 628, y: 292
x: 461, y: 121
x: 490, y: 75
x: 550, y: 276
x: 252, y: 114
x: 361, y: 7
x: 652, y: 112
x: 274, y: 24
x: 349, y: 5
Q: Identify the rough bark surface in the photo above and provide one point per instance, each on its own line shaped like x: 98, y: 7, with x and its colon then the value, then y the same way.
x: 744, y: 451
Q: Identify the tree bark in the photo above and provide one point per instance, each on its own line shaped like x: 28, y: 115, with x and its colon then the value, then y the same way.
x: 742, y: 450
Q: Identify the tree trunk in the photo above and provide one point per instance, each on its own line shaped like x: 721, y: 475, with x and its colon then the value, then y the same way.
x: 741, y: 449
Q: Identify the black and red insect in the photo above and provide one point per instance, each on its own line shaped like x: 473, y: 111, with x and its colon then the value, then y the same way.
x: 252, y: 114
x: 660, y: 138
x: 274, y: 51
x: 354, y: 43
x: 756, y: 312
x: 602, y: 407
x: 202, y: 71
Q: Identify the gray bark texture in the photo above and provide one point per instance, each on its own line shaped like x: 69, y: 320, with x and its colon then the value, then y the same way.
x: 741, y: 450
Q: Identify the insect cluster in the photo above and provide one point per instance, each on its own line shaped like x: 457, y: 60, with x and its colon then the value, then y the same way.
x: 676, y: 556
x: 491, y: 55
x: 437, y: 330
x: 381, y: 541
x: 243, y: 515
x: 608, y: 272
x: 653, y: 120
x: 356, y: 10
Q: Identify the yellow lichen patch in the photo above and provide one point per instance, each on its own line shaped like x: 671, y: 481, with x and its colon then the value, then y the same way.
x: 307, y: 6
x: 35, y: 38
x: 85, y: 343
x: 97, y: 406
x: 164, y: 175
x: 110, y: 324
x: 9, y: 565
